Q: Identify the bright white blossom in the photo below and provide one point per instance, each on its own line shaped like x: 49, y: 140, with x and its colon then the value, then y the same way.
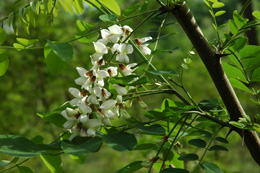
x: 95, y: 105
x: 144, y: 47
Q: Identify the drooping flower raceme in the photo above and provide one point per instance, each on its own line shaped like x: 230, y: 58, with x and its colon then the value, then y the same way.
x: 94, y: 105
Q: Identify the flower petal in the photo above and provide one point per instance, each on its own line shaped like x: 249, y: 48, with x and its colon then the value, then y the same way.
x: 108, y: 104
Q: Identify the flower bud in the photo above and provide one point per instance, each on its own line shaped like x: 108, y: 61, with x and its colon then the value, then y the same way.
x: 128, y: 103
x: 141, y: 102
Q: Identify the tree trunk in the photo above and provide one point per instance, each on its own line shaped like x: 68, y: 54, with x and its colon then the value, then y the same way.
x: 213, y: 64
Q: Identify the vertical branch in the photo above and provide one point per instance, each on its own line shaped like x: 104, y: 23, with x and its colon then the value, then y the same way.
x: 213, y: 64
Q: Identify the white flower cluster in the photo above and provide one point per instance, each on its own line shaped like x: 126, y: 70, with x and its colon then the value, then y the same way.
x: 95, y: 105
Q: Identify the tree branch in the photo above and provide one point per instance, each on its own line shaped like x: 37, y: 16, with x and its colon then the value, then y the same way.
x: 213, y: 64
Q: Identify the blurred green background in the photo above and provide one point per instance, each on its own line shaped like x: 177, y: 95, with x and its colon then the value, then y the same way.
x: 28, y: 87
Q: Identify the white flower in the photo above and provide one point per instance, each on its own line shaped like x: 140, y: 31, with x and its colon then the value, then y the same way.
x: 122, y: 51
x: 94, y: 92
x: 107, y: 107
x: 79, y: 96
x: 92, y: 126
x: 143, y: 47
x: 120, y: 90
x: 71, y: 116
x: 127, y: 69
x: 113, y: 33
x: 104, y: 94
x: 86, y: 78
x: 100, y: 49
x: 112, y: 71
x: 127, y: 31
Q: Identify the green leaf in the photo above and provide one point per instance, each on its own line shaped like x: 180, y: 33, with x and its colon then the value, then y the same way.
x: 62, y: 50
x: 161, y: 72
x: 2, y: 35
x: 4, y: 62
x: 154, y: 129
x: 132, y: 167
x: 53, y: 163
x: 18, y: 46
x: 83, y: 26
x: 232, y: 27
x: 108, y: 17
x: 81, y: 145
x: 54, y: 62
x: 112, y: 5
x: 233, y: 72
x: 239, y: 20
x: 164, y: 51
x: 256, y: 75
x: 218, y: 148
x: 139, y: 81
x: 174, y: 170
x: 223, y: 140
x: 79, y: 159
x: 54, y: 117
x: 4, y: 162
x: 218, y: 5
x: 208, y: 104
x: 146, y: 146
x: 187, y: 157
x: 170, y: 155
x: 78, y: 6
x: 24, y: 169
x: 131, y: 9
x: 19, y: 146
x: 201, y: 133
x: 219, y: 13
x: 237, y: 124
x: 240, y: 43
x: 250, y: 55
x: 198, y: 143
x: 66, y: 5
x: 256, y: 14
x: 210, y: 168
x: 25, y: 42
x: 239, y: 85
x: 120, y: 141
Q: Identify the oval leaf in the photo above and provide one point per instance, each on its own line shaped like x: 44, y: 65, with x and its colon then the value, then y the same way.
x: 198, y: 143
x: 218, y: 5
x: 210, y: 168
x: 54, y: 163
x: 132, y: 167
x: 62, y: 50
x: 154, y: 129
x: 187, y: 157
x: 223, y: 140
x: 4, y: 62
x: 19, y: 146
x: 81, y: 145
x: 2, y: 35
x: 120, y: 141
x: 218, y: 148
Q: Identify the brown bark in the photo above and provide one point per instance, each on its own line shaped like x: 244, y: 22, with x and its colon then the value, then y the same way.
x: 213, y: 64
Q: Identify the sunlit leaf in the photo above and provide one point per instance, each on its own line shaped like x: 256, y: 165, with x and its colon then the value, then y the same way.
x: 2, y: 35
x: 239, y: 85
x: 79, y: 159
x: 53, y: 163
x: 256, y: 14
x: 112, y: 5
x: 218, y: 5
x: 256, y: 75
x: 83, y: 26
x: 161, y: 72
x: 210, y: 168
x: 4, y: 62
x: 232, y: 27
x: 234, y: 72
x: 219, y: 13
x: 26, y: 42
